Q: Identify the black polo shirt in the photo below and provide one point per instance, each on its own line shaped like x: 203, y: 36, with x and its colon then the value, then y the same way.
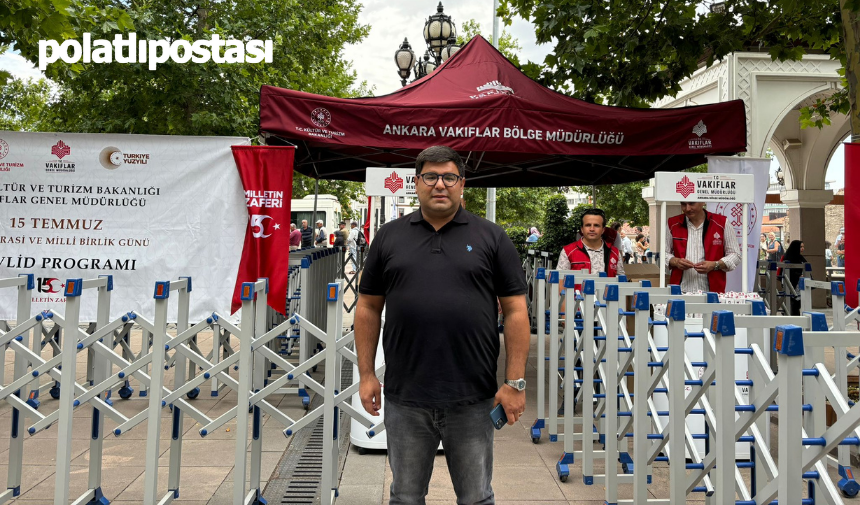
x: 440, y: 336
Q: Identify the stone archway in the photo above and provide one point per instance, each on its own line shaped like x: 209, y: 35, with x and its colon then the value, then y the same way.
x: 773, y: 93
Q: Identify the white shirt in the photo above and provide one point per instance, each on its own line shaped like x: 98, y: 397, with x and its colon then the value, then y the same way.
x: 626, y: 246
x: 694, y: 281
x: 352, y: 238
x: 594, y: 255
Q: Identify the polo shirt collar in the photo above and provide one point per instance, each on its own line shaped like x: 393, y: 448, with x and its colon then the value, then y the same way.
x: 461, y: 217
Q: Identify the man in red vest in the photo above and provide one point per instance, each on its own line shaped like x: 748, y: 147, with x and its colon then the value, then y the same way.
x: 700, y: 249
x: 591, y: 252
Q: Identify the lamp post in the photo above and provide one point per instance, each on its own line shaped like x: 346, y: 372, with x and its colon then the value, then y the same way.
x: 440, y: 35
x: 780, y: 176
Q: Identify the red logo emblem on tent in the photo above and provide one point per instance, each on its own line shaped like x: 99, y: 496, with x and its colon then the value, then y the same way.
x: 61, y: 149
x: 685, y: 187
x: 393, y: 182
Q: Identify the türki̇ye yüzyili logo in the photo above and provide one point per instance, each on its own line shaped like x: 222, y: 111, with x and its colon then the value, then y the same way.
x: 394, y: 182
x: 685, y: 187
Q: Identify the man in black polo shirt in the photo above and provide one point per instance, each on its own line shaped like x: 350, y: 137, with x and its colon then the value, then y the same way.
x: 439, y: 272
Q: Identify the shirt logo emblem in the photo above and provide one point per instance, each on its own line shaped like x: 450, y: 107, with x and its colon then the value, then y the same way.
x: 468, y: 248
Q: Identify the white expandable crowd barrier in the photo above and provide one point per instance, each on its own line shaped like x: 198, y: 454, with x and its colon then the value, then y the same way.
x: 258, y: 355
x: 639, y: 397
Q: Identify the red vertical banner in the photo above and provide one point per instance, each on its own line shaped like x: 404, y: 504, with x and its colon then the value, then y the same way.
x: 367, y: 221
x: 852, y: 215
x: 267, y: 178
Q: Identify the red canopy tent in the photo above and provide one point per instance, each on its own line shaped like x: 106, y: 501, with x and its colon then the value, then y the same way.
x: 511, y: 130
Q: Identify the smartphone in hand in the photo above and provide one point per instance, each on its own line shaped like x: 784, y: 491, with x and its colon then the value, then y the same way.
x: 498, y: 416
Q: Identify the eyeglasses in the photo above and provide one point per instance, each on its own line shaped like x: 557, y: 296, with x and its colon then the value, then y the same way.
x: 448, y: 180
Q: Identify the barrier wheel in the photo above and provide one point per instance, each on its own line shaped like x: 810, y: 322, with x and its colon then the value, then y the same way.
x: 362, y: 451
x: 562, y: 478
x: 194, y: 393
x: 55, y: 392
x: 125, y: 392
x: 535, y: 440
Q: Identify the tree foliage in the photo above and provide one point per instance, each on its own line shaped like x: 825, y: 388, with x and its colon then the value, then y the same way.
x: 633, y: 53
x: 23, y: 104
x: 621, y: 202
x: 559, y: 229
x: 514, y: 206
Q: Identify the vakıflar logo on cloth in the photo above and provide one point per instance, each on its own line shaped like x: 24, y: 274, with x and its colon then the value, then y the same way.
x: 700, y: 142
x: 492, y: 88
x: 60, y: 150
x: 154, y: 52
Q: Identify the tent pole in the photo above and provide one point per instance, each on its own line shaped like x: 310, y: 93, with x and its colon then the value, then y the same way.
x: 316, y: 197
x: 491, y: 192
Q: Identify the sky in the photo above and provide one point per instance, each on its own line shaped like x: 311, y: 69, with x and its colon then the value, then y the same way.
x: 390, y: 22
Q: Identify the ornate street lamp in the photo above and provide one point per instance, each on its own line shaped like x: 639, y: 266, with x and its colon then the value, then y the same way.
x: 780, y: 176
x: 404, y: 58
x: 450, y: 48
x: 424, y: 66
x: 437, y: 31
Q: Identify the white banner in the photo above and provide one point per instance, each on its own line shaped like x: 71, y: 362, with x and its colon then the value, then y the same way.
x: 711, y: 187
x: 139, y: 207
x: 759, y: 170
x: 390, y: 182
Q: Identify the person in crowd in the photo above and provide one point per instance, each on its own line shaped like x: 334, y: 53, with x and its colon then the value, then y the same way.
x: 440, y: 272
x: 626, y: 247
x: 321, y: 237
x: 828, y: 254
x: 340, y: 235
x: 592, y: 252
x: 307, y: 234
x: 762, y: 250
x: 794, y: 254
x: 295, y: 237
x: 839, y: 235
x: 641, y: 248
x: 700, y: 249
x: 534, y: 235
x: 352, y: 242
x: 774, y: 248
x: 840, y: 250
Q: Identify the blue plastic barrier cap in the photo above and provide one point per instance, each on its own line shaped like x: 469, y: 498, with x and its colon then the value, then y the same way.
x: 675, y: 310
x: 807, y: 267
x: 723, y: 322
x: 801, y: 283
x: 817, y: 321
x: 288, y: 432
x: 74, y: 287
x: 19, y: 338
x: 203, y: 432
x: 645, y: 283
x: 206, y: 375
x: 31, y: 430
x: 31, y: 282
x: 267, y: 283
x: 294, y: 320
x: 306, y: 262
x: 121, y: 375
x: 163, y: 403
x: 837, y: 288
x: 541, y: 273
x: 76, y: 403
x: 569, y: 281
x: 166, y: 347
x: 289, y: 376
x: 758, y: 307
x: 675, y: 289
x: 80, y: 345
x: 610, y: 292
x: 602, y: 274
x: 162, y: 290
x: 640, y: 300
x: 188, y: 280
x: 553, y: 277
x: 858, y: 284
x: 35, y: 373
x: 109, y: 281
x: 247, y: 291
x: 371, y: 433
x: 788, y: 340
x: 125, y: 318
x: 208, y: 320
x: 39, y: 317
x: 588, y: 287
x: 771, y: 265
x: 712, y: 297
x: 332, y: 292
x: 622, y: 278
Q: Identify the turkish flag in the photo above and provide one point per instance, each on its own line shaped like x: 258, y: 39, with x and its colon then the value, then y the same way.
x: 267, y: 178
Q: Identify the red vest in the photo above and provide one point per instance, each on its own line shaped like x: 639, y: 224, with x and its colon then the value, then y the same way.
x: 713, y: 239
x: 580, y: 260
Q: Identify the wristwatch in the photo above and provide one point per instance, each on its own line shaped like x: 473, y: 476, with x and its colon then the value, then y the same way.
x: 518, y: 384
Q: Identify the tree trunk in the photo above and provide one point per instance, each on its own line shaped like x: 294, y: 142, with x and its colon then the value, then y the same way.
x: 851, y: 37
